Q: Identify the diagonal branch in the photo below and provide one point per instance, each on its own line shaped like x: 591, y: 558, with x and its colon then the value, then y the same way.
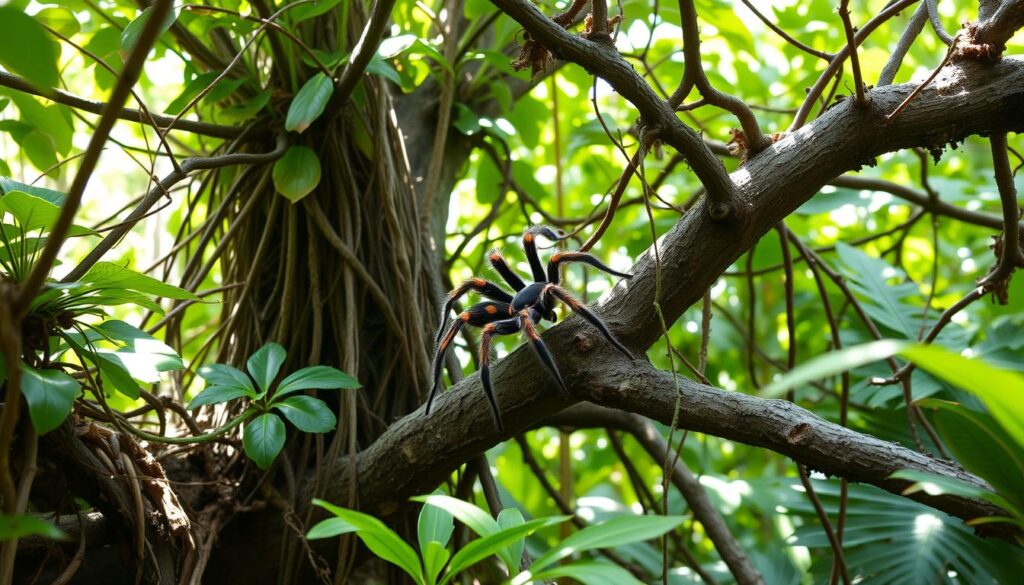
x: 417, y: 453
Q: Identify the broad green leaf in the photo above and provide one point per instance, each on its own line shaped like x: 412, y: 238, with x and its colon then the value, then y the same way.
x: 316, y: 377
x: 591, y: 573
x: 107, y: 275
x: 380, y: 539
x: 131, y: 33
x: 113, y: 373
x: 610, y: 534
x: 61, y: 20
x: 264, y: 366
x: 192, y: 89
x: 218, y: 394
x: 141, y: 351
x: 309, y: 103
x: 296, y: 173
x: 21, y: 526
x: 225, y: 375
x: 831, y: 364
x: 53, y: 122
x: 263, y: 439
x: 476, y: 519
x: 434, y: 525
x: 308, y: 414
x: 1002, y: 391
x: 984, y: 448
x: 27, y: 49
x: 8, y: 184
x: 32, y: 213
x: 50, y: 395
x: 485, y: 546
x: 246, y: 111
x: 513, y: 554
x: 871, y: 276
x: 329, y: 528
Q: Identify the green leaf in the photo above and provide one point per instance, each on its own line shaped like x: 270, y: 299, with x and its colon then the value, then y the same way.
x: 263, y: 439
x: 309, y: 103
x: 473, y: 517
x: 434, y: 525
x: 296, y: 173
x: 591, y: 573
x: 131, y: 33
x: 610, y: 534
x: 831, y: 364
x: 984, y: 448
x: 308, y: 414
x: 50, y: 395
x: 882, y: 299
x: 225, y: 375
x: 937, y: 485
x: 107, y: 275
x: 492, y: 544
x: 61, y: 20
x: 435, y: 555
x: 380, y: 539
x: 113, y: 372
x: 21, y: 526
x: 513, y: 554
x: 8, y: 184
x: 218, y: 394
x: 144, y: 355
x: 329, y: 528
x: 265, y: 364
x: 316, y: 377
x: 27, y: 48
x: 307, y: 11
x: 1002, y: 391
x: 31, y: 212
x: 434, y: 529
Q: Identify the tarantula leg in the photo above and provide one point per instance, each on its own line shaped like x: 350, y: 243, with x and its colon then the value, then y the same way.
x: 559, y: 258
x: 442, y: 350
x: 487, y: 289
x: 501, y: 266
x: 530, y: 246
x: 478, y: 315
x: 587, y: 314
x: 503, y: 327
x: 544, y: 354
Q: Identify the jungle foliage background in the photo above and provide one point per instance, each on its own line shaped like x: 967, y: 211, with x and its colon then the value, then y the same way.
x: 317, y: 174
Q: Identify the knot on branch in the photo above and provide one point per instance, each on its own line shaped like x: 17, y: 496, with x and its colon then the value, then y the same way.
x: 600, y: 36
x: 532, y: 54
x: 800, y: 434
x: 970, y: 45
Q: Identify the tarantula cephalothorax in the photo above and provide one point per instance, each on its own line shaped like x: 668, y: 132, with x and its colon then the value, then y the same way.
x: 505, y: 314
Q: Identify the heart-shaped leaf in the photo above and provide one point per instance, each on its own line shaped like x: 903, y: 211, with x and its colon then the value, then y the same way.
x: 296, y: 173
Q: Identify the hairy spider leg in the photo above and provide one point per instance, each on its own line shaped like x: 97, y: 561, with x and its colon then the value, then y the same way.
x: 559, y: 258
x: 530, y: 246
x: 501, y: 266
x: 503, y: 327
x: 578, y: 307
x: 478, y: 315
x: 487, y: 289
x: 541, y: 349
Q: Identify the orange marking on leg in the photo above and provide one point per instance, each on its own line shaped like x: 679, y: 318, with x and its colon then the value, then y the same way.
x: 496, y: 257
x: 464, y: 315
x: 479, y: 281
x: 448, y: 339
x: 528, y: 238
x: 491, y: 309
x: 490, y: 327
x: 556, y: 256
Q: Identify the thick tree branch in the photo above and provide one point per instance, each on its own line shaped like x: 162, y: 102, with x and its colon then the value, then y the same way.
x: 417, y: 453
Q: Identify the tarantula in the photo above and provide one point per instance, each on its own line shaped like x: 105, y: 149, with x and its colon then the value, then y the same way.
x: 505, y: 314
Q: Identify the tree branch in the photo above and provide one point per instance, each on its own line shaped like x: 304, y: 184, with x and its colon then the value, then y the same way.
x: 417, y: 453
x: 129, y: 114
